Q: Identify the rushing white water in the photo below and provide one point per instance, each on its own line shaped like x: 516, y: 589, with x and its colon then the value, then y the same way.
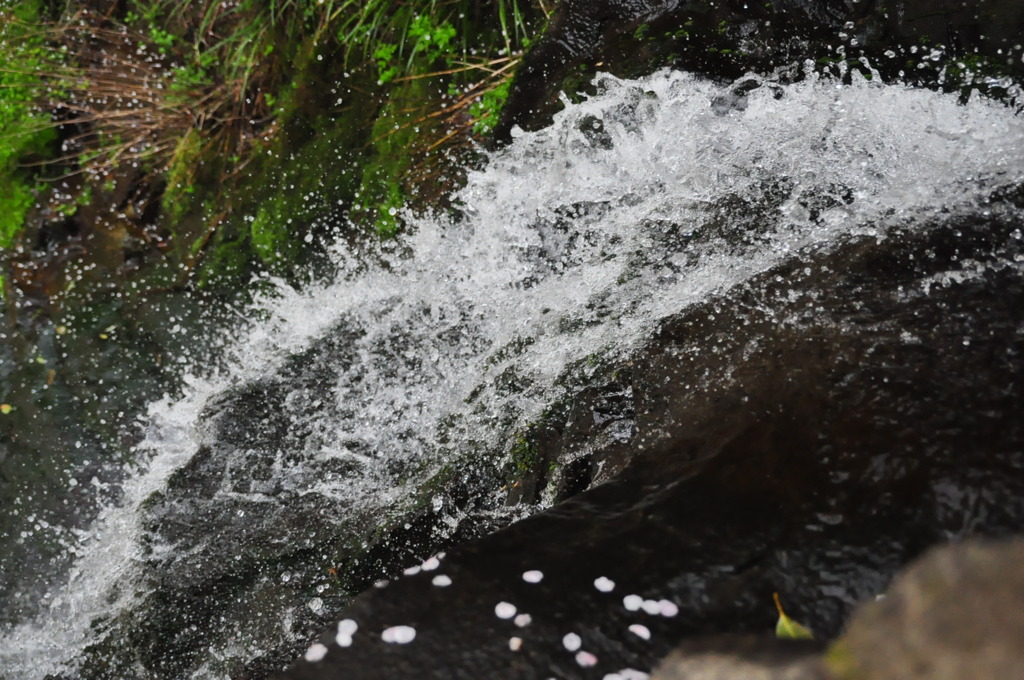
x: 575, y: 241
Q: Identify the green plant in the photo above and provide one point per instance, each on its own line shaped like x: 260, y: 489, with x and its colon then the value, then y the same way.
x: 788, y: 629
x: 485, y: 110
x: 525, y: 455
x: 178, y: 97
x: 386, y: 68
x: 180, y: 174
x: 25, y: 130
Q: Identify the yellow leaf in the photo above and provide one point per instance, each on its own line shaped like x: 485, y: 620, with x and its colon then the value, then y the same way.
x: 787, y: 628
x: 6, y: 408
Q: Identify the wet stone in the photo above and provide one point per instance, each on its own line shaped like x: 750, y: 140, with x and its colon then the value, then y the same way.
x: 956, y: 613
x: 835, y: 426
x: 743, y: 657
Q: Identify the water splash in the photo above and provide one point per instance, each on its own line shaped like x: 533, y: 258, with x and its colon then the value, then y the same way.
x: 572, y: 243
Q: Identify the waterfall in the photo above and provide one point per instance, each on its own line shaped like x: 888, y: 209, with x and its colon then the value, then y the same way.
x: 569, y: 246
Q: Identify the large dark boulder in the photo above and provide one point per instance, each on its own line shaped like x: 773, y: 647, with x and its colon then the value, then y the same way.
x: 807, y: 433
x: 954, y: 45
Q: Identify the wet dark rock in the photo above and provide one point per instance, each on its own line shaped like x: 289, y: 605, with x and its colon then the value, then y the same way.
x: 974, y: 43
x: 807, y: 433
x: 235, y: 549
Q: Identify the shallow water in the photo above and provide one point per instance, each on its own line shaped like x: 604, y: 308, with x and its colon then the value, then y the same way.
x: 571, y: 246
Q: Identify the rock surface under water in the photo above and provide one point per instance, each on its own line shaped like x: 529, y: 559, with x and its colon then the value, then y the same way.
x: 808, y: 433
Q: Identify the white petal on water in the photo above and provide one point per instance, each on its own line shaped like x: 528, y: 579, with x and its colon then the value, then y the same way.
x: 431, y: 564
x: 399, y: 634
x: 627, y: 674
x: 441, y: 581
x: 412, y: 571
x: 632, y: 602
x: 586, y: 659
x: 533, y: 576
x: 504, y: 610
x: 640, y: 631
x: 515, y: 644
x: 571, y: 641
x: 316, y: 652
x: 605, y: 585
x: 346, y: 629
x: 383, y: 583
x: 523, y: 620
x: 667, y: 608
x: 652, y: 607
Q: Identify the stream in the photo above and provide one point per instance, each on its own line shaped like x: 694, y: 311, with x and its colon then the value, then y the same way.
x: 404, y: 406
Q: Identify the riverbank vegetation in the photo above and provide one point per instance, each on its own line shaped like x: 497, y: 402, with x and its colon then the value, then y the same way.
x: 159, y: 145
x: 172, y: 144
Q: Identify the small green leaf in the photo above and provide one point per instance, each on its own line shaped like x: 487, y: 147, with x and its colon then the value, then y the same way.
x: 787, y: 628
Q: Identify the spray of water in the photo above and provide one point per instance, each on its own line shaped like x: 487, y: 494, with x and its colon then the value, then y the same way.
x: 574, y: 242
